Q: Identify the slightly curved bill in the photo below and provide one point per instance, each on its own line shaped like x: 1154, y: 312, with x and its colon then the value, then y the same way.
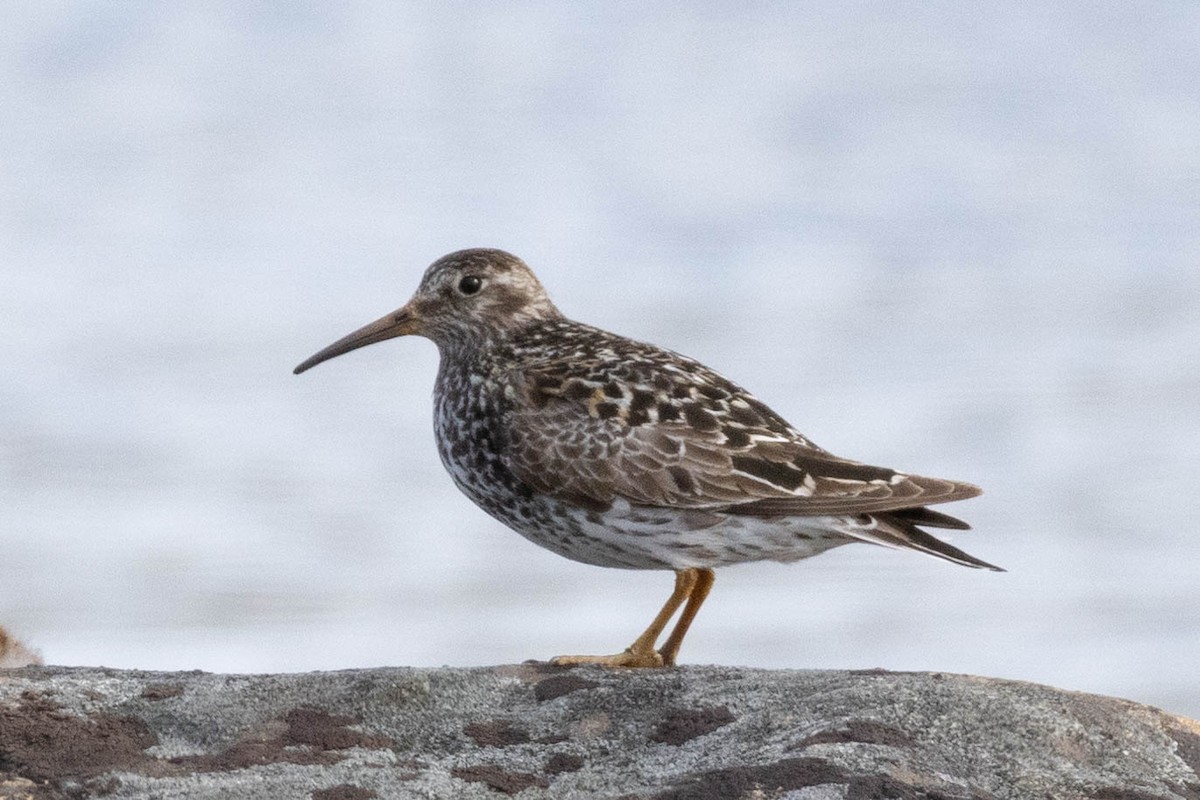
x: 401, y: 322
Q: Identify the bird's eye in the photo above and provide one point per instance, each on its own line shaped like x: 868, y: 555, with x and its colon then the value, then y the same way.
x: 470, y: 284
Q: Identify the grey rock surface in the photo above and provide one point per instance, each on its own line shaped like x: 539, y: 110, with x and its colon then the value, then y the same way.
x: 539, y: 732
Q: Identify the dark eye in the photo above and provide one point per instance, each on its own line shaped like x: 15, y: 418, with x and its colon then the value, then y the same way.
x: 470, y: 284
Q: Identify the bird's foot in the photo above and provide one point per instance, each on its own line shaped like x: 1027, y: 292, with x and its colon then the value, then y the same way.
x: 627, y: 658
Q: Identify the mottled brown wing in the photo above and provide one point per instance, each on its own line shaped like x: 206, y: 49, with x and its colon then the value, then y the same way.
x: 865, y: 495
x: 570, y: 439
x: 691, y: 440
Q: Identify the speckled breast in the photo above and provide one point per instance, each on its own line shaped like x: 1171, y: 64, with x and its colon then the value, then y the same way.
x: 470, y: 410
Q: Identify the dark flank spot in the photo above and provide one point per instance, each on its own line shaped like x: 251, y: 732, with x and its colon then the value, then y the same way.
x: 781, y: 475
x: 496, y: 733
x: 683, y: 479
x: 607, y: 410
x: 548, y: 383
x: 661, y: 382
x: 699, y: 418
x: 865, y: 731
x: 638, y: 416
x: 563, y: 762
x: 735, y: 437
x: 559, y: 685
x: 766, y: 779
x: 613, y: 389
x: 343, y: 791
x: 41, y: 743
x: 499, y: 779
x: 162, y: 691
x: 667, y: 412
x: 683, y: 726
x: 681, y: 391
x: 713, y: 392
x: 326, y: 731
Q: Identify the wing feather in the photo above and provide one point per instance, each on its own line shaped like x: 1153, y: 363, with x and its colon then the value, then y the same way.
x: 691, y: 440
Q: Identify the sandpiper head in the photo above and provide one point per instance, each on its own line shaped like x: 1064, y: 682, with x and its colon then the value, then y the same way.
x: 464, y: 297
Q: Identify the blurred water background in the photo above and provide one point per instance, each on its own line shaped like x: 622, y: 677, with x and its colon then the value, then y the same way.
x: 959, y: 239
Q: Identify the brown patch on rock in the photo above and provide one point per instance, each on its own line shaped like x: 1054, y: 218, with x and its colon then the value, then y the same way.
x: 499, y: 778
x: 344, y: 791
x: 563, y: 762
x: 244, y: 754
x: 40, y: 742
x: 328, y: 732
x: 559, y: 685
x: 786, y: 775
x: 496, y: 733
x: 864, y: 731
x: 311, y: 737
x: 162, y: 691
x: 683, y: 726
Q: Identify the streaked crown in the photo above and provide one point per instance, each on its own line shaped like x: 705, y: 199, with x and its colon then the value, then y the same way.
x: 476, y: 292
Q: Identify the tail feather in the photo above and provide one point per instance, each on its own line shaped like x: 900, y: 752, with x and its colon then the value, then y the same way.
x: 901, y: 532
x: 930, y: 518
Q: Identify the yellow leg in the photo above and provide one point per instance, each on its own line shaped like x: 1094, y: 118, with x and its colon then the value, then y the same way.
x: 692, y: 585
x: 704, y: 584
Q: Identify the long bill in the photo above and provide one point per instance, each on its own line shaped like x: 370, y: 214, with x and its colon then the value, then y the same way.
x: 399, y: 323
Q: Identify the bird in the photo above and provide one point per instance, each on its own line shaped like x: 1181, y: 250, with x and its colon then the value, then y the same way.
x: 618, y: 453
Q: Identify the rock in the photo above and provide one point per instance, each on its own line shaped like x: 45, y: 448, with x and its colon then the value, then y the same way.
x: 537, y: 731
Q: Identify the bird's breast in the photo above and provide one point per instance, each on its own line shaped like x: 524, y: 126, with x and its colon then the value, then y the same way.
x: 469, y: 426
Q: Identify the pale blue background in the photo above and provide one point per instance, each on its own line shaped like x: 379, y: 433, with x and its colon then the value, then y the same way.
x: 960, y: 239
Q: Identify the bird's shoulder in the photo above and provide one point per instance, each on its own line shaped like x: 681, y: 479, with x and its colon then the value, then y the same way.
x: 574, y: 369
x: 598, y: 417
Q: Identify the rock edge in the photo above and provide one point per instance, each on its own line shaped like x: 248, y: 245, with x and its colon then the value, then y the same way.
x: 536, y: 731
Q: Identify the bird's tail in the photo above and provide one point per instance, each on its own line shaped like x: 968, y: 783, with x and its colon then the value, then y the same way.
x: 899, y: 529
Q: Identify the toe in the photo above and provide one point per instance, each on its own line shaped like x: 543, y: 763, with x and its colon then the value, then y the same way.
x: 627, y: 658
